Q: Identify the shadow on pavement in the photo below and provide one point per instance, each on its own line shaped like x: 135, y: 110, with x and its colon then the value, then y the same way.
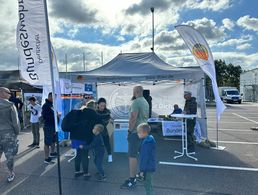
x: 33, y: 177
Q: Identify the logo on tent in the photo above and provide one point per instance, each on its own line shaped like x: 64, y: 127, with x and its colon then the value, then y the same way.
x: 120, y: 102
x: 200, y: 51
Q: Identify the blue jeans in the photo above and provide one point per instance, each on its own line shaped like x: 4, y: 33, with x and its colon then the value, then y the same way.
x: 98, y: 160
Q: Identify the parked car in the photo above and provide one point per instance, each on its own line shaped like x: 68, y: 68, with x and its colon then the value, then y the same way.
x: 230, y: 95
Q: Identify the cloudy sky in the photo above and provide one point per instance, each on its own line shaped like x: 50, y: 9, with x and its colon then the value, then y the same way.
x: 93, y: 27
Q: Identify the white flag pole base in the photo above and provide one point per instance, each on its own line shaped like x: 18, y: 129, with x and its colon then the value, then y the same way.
x: 218, y: 148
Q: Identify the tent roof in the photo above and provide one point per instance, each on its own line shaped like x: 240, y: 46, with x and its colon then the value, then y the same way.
x: 137, y: 67
x: 12, y: 80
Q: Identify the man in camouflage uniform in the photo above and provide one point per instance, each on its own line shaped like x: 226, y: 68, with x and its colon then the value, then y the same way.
x: 9, y: 129
x: 190, y: 108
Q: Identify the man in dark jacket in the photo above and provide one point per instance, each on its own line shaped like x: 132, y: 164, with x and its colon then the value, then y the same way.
x: 49, y: 129
x: 9, y: 130
x: 18, y: 104
x: 190, y: 108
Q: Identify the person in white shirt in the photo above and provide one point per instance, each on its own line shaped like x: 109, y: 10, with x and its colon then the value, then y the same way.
x: 35, y: 113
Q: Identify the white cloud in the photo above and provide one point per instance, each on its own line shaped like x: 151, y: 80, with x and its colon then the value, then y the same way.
x: 248, y: 23
x: 214, y: 5
x: 74, y: 12
x: 75, y: 49
x: 209, y: 29
x: 228, y: 24
x: 72, y: 32
x: 123, y: 18
x: 246, y: 61
x: 9, y: 19
x: 241, y: 43
x: 244, y: 46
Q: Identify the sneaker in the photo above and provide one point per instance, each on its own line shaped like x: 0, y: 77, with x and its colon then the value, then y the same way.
x: 53, y: 154
x: 97, y: 174
x: 139, y: 177
x: 110, y: 159
x: 11, y: 177
x: 101, y: 178
x: 37, y: 146
x: 129, y: 184
x: 86, y: 176
x: 48, y: 161
x: 78, y: 174
x: 31, y: 145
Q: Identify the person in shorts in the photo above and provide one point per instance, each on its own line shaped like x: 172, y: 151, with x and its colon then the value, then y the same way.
x: 139, y: 113
x: 9, y: 130
x: 49, y: 130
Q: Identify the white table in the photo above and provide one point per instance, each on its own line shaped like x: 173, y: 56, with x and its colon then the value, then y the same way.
x: 183, y: 118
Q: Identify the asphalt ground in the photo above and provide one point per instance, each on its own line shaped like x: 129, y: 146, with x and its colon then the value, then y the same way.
x: 233, y: 170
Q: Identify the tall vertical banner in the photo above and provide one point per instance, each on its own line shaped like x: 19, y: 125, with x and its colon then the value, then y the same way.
x: 202, y: 53
x: 47, y: 88
x: 32, y: 42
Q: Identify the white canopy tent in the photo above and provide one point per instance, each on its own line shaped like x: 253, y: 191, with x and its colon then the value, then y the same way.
x: 147, y: 69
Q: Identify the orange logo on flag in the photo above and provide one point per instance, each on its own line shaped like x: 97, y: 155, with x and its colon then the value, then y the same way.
x: 200, y: 51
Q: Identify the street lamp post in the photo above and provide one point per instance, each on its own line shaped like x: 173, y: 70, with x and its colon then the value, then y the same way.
x: 152, y: 11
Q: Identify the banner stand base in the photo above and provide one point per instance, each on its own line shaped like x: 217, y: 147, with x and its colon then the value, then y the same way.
x: 219, y: 148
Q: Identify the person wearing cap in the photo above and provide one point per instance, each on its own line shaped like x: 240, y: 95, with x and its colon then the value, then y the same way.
x: 35, y: 114
x: 190, y: 108
x: 9, y: 130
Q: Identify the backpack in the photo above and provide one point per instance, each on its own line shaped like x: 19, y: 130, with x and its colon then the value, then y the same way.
x: 71, y: 121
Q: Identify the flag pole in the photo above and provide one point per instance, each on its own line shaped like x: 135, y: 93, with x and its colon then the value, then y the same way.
x: 217, y: 127
x: 53, y: 96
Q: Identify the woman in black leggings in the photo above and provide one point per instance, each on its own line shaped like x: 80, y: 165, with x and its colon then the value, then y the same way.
x: 85, y: 121
x: 102, y: 110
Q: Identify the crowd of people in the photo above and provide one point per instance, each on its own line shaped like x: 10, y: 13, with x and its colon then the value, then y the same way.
x: 87, y: 125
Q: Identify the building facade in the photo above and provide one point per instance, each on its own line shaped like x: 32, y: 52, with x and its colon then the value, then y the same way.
x: 249, y: 85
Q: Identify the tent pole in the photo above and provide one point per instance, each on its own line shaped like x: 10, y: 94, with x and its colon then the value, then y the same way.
x: 66, y: 66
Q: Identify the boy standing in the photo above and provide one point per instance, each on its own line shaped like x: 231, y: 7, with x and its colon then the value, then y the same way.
x: 147, y: 156
x: 35, y: 113
x: 99, y: 150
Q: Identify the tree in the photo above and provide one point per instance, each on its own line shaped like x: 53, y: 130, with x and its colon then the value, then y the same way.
x: 227, y: 74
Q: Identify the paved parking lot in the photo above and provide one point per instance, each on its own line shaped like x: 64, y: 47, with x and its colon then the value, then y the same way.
x: 230, y: 171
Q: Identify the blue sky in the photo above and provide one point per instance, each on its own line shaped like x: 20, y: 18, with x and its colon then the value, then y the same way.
x: 110, y: 27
